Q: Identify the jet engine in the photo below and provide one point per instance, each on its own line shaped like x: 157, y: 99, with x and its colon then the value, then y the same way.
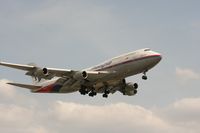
x: 80, y: 75
x: 130, y: 89
x: 89, y: 75
x: 45, y: 71
x: 41, y: 74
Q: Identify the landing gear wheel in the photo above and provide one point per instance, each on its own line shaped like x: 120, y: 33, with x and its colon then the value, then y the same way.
x: 105, y: 95
x: 106, y: 92
x: 135, y: 91
x: 86, y: 91
x: 144, y: 77
x: 91, y: 94
x: 83, y: 90
x: 94, y: 93
x: 135, y: 85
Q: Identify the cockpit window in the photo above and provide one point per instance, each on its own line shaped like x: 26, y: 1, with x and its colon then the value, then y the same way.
x: 148, y: 49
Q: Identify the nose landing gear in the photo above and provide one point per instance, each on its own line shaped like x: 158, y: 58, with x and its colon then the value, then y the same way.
x: 144, y: 77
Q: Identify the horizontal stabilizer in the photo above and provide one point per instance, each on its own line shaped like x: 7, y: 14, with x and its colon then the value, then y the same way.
x: 31, y: 87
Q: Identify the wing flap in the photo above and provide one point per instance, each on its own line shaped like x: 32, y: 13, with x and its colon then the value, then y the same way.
x: 99, y: 75
x: 27, y: 86
x: 60, y: 72
x: 100, y: 72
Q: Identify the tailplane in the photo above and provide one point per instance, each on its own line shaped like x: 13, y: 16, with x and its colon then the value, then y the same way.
x: 27, y: 86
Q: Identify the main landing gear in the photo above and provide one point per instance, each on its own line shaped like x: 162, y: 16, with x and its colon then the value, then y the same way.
x: 106, y: 92
x: 92, y: 93
x: 84, y: 91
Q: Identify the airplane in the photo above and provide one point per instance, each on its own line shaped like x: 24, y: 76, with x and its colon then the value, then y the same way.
x: 105, y: 78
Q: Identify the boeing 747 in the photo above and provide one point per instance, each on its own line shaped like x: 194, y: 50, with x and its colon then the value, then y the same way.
x: 108, y: 77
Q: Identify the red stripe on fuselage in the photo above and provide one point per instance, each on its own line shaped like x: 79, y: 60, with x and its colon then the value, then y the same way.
x: 46, y: 89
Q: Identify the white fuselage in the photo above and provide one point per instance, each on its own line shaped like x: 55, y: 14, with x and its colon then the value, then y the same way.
x: 123, y: 66
x: 104, y: 77
x: 130, y: 64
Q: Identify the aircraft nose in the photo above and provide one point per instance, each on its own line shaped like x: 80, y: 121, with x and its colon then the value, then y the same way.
x: 158, y: 57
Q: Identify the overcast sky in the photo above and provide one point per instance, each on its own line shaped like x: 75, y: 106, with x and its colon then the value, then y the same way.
x: 77, y: 34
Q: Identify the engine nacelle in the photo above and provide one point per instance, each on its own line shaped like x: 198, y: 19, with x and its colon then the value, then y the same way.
x: 41, y: 73
x: 130, y: 89
x: 80, y: 75
x: 45, y: 71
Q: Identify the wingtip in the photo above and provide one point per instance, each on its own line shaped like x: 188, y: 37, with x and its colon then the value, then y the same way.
x: 9, y: 83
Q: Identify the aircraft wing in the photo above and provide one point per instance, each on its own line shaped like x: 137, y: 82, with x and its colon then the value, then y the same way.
x: 18, y: 66
x: 78, y: 75
x: 34, y: 71
x: 59, y: 72
x: 49, y: 73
